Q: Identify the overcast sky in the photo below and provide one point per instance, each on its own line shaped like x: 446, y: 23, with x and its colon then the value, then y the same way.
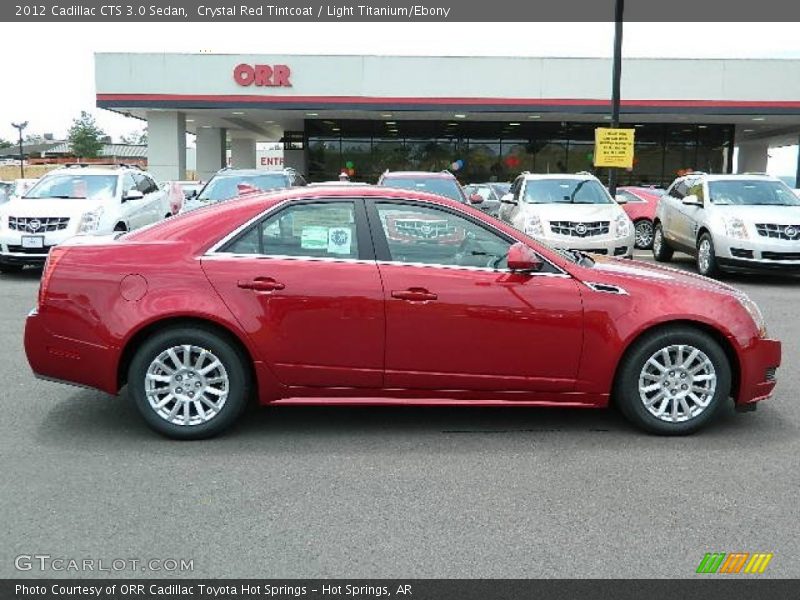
x: 54, y: 78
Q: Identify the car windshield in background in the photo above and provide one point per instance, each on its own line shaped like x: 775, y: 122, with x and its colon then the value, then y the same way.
x: 442, y: 186
x: 74, y: 186
x: 226, y: 187
x: 501, y: 189
x: 565, y: 191
x: 753, y: 192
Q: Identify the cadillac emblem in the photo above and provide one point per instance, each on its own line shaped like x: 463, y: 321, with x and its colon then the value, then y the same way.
x: 34, y: 225
x: 791, y: 232
x: 580, y: 229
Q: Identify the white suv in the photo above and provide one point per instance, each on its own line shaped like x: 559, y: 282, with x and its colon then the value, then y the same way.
x: 573, y: 212
x: 730, y: 222
x: 76, y: 199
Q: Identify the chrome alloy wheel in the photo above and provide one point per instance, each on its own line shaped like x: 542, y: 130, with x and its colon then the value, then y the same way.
x: 644, y: 234
x: 677, y: 383
x: 186, y: 385
x: 704, y: 255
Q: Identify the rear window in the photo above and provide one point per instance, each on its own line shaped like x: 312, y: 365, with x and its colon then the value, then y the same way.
x: 225, y: 187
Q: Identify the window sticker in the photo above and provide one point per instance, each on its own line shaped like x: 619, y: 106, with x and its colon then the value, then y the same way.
x: 339, y: 240
x: 314, y: 238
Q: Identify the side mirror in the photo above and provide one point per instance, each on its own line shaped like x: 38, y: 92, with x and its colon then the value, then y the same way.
x: 475, y: 199
x: 522, y: 258
x: 620, y: 199
x: 692, y: 200
x: 133, y: 195
x: 507, y: 198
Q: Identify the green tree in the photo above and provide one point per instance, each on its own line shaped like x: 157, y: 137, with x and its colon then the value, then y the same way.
x: 84, y: 137
x: 5, y: 143
x: 135, y: 137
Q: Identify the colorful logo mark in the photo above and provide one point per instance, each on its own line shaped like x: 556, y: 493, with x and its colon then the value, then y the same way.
x: 735, y: 562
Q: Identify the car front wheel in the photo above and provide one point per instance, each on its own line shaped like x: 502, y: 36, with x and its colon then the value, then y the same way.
x: 706, y: 256
x: 673, y: 381
x: 643, y: 229
x: 189, y: 383
x: 661, y: 251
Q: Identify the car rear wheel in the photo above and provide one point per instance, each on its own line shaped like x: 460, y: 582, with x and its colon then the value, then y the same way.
x: 706, y: 256
x: 643, y: 230
x: 189, y: 383
x: 661, y: 251
x: 673, y: 381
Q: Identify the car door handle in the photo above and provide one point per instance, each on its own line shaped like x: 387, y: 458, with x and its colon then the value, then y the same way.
x: 414, y: 295
x: 260, y: 284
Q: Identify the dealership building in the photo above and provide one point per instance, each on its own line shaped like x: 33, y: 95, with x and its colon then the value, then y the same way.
x: 495, y: 116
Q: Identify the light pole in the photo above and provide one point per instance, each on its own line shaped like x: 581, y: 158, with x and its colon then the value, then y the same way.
x: 20, y: 127
x: 619, y: 7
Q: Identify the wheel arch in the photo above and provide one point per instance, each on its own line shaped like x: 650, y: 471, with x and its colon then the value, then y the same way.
x: 700, y: 231
x: 717, y: 335
x: 134, y: 341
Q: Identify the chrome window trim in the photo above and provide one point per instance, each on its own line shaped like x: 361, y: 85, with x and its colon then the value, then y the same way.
x: 214, y: 250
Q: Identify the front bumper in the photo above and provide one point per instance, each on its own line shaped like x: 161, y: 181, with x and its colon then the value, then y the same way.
x: 13, y: 253
x: 757, y: 254
x: 601, y: 244
x: 758, y: 363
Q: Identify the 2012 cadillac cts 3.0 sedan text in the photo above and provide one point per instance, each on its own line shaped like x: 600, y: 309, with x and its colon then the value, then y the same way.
x: 380, y: 295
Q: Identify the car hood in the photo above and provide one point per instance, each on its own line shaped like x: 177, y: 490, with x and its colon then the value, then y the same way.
x: 574, y: 212
x: 43, y: 207
x: 619, y: 269
x: 781, y: 215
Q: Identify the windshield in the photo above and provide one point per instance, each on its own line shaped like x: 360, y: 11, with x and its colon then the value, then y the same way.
x: 566, y: 191
x: 501, y: 189
x: 75, y: 186
x: 753, y: 192
x: 225, y: 187
x: 443, y: 186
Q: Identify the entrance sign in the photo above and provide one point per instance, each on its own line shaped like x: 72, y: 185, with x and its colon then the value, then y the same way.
x: 613, y: 147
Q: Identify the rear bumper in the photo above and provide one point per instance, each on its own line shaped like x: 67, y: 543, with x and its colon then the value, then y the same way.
x: 67, y: 360
x: 758, y: 365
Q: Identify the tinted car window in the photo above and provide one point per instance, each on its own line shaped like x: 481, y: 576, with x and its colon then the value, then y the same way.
x: 225, y: 187
x: 443, y: 186
x: 419, y: 234
x: 752, y: 192
x: 314, y: 230
x: 566, y: 191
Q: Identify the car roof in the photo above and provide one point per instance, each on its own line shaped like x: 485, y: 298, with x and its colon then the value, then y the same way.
x: 577, y: 176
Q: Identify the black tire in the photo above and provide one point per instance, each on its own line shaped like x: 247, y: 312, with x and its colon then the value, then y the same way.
x: 641, y: 228
x: 706, y: 259
x: 661, y: 250
x: 627, y: 395
x: 6, y: 268
x: 223, y: 349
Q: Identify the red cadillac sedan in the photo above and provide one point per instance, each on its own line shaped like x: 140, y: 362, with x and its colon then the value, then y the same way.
x: 385, y: 296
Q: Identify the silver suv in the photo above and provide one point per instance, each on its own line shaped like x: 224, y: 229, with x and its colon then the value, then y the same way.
x: 729, y: 222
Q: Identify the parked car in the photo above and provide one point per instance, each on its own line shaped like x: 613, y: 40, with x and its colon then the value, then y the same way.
x: 76, y: 200
x: 730, y: 222
x: 490, y: 199
x: 573, y: 212
x: 501, y: 188
x: 305, y: 296
x: 21, y: 186
x: 640, y: 206
x: 226, y: 184
x: 443, y: 183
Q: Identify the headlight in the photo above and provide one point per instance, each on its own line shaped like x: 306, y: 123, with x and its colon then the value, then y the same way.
x: 755, y: 312
x: 90, y: 221
x: 734, y: 227
x: 622, y: 226
x: 533, y: 226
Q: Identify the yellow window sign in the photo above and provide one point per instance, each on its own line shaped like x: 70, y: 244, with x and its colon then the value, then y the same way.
x: 613, y: 147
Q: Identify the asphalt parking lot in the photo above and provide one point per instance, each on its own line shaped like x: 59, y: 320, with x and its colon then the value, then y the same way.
x: 396, y: 492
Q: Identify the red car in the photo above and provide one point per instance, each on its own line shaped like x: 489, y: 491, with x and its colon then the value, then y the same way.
x: 640, y: 205
x: 301, y: 297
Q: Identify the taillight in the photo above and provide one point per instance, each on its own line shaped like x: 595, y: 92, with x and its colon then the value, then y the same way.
x: 49, y: 266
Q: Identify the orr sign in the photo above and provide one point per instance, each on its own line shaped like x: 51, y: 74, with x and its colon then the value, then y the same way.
x: 262, y: 75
